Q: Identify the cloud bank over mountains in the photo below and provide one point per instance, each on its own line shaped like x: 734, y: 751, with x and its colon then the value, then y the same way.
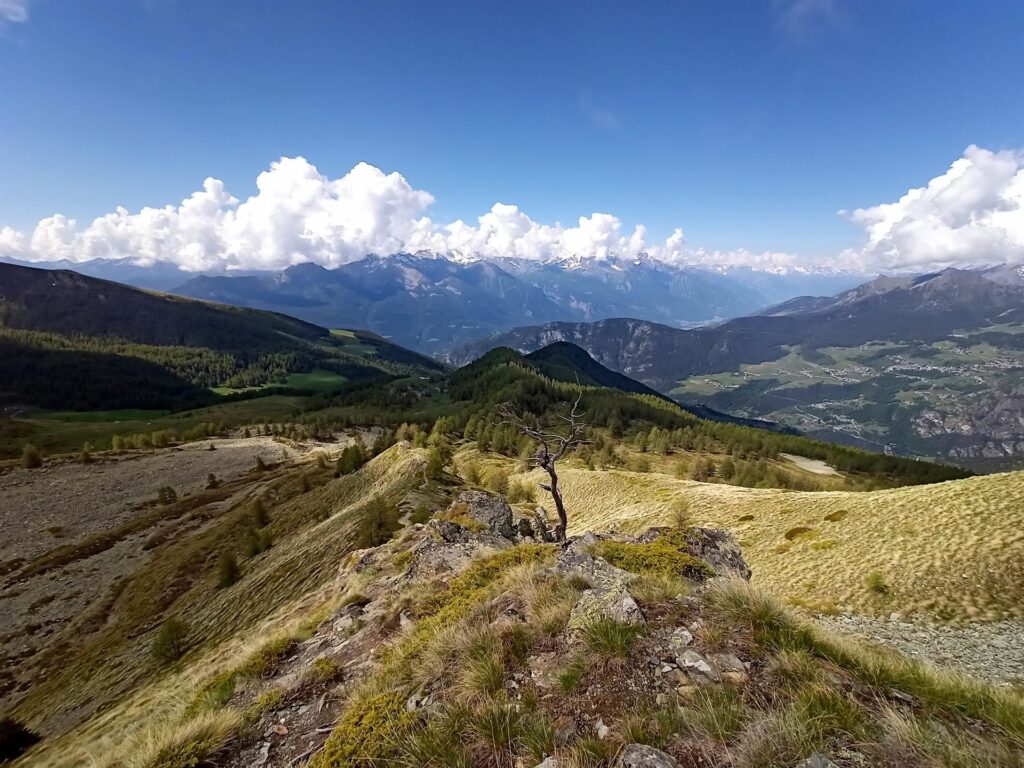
x: 971, y: 215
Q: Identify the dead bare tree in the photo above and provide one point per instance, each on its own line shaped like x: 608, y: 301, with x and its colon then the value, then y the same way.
x: 551, y: 446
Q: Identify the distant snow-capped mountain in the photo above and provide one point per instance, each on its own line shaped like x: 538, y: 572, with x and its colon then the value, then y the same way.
x: 434, y: 303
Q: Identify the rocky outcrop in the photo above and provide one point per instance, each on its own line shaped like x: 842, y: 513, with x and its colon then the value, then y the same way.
x: 643, y: 756
x: 718, y: 548
x: 487, y: 509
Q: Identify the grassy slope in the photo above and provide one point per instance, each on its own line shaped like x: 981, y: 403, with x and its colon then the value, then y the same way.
x: 953, y: 550
x: 284, y: 584
x: 939, y: 529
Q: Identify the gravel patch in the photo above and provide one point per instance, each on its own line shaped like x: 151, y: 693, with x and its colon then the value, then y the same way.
x: 992, y: 651
x: 60, y: 503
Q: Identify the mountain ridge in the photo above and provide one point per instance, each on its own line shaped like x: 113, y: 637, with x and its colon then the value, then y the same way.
x: 432, y: 303
x: 835, y: 366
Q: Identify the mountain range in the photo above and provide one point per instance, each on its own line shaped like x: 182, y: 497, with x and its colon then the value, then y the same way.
x: 432, y: 303
x: 927, y: 365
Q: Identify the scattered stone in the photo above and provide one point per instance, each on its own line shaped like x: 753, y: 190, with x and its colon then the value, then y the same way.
x: 816, y: 760
x: 678, y: 640
x: 642, y: 756
x: 544, y: 669
x: 262, y: 755
x: 902, y: 697
x: 280, y: 729
x: 548, y: 762
x: 601, y: 729
x: 727, y: 662
x: 693, y: 661
x: 990, y: 650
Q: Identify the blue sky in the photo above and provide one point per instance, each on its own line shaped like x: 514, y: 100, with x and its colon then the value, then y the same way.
x: 747, y: 124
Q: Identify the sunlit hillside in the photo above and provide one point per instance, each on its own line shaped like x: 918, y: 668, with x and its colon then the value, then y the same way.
x: 953, y: 550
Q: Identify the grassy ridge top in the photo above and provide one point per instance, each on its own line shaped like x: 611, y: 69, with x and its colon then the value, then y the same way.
x: 950, y: 550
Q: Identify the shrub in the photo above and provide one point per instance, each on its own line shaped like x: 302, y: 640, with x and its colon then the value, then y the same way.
x: 520, y: 492
x: 261, y: 466
x: 255, y: 542
x: 227, y: 569
x: 323, y: 670
x: 170, y: 642
x: 799, y: 532
x: 85, y: 456
x: 166, y: 495
x: 212, y: 481
x: 30, y: 457
x: 259, y: 514
x: 378, y: 524
x: 497, y: 481
x: 15, y: 739
x: 680, y: 515
x: 610, y: 637
x: 471, y: 472
x: 875, y: 581
x: 421, y: 514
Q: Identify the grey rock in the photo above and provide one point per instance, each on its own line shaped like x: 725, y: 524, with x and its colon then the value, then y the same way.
x: 493, y: 511
x: 548, y: 762
x: 611, y: 602
x: 678, y: 640
x: 816, y: 760
x: 642, y: 756
x: 696, y: 664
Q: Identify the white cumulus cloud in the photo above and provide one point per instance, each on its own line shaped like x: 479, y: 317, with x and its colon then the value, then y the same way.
x: 972, y: 215
x: 299, y: 215
x: 13, y: 11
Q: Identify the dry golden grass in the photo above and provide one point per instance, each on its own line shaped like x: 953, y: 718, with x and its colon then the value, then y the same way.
x: 953, y: 550
x: 292, y: 580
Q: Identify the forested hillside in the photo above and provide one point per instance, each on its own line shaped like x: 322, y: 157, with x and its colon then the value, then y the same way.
x: 920, y: 366
x: 468, y: 400
x: 73, y: 342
